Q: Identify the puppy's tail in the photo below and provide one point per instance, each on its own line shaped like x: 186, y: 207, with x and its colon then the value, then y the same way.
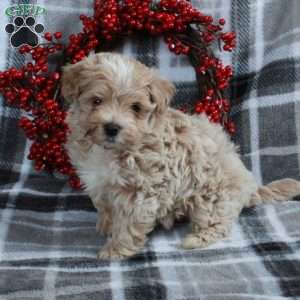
x: 279, y: 190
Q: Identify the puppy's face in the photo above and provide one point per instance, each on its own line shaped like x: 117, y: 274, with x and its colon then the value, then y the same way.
x: 114, y: 100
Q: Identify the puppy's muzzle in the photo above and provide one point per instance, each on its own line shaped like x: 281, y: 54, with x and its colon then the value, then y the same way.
x: 111, y: 130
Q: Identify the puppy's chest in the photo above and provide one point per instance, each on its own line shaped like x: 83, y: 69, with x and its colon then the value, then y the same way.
x: 97, y: 170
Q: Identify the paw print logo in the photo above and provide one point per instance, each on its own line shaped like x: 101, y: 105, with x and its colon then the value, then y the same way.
x: 24, y: 31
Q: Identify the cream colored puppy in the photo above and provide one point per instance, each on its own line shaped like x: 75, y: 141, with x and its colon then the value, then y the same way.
x: 144, y: 163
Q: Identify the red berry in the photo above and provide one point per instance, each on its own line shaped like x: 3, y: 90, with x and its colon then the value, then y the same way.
x: 210, y: 92
x: 58, y: 35
x: 222, y: 22
x: 22, y: 49
x: 56, y: 76
x: 48, y: 36
x: 45, y: 68
x: 200, y: 108
x: 231, y: 127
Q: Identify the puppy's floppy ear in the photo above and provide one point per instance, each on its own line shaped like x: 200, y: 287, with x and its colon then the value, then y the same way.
x: 70, y: 81
x: 161, y: 93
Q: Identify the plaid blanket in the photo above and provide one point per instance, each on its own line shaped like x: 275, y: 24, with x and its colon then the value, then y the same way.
x: 48, y: 241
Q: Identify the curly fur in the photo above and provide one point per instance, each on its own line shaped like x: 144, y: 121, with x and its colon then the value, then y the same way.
x: 161, y: 166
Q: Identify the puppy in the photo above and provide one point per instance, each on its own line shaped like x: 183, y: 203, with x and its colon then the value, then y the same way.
x: 144, y: 163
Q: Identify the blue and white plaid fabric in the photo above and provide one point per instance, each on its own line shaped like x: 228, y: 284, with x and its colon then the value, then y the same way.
x: 48, y: 242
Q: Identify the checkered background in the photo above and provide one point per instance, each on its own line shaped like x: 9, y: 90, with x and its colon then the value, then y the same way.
x: 47, y: 238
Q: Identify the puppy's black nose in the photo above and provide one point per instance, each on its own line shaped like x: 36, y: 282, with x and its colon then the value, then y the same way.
x: 111, y: 129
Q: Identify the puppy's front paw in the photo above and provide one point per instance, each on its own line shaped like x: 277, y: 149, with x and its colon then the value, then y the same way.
x: 109, y: 252
x: 104, y: 226
x: 193, y: 241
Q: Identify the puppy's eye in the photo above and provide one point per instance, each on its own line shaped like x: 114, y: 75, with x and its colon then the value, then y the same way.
x: 136, y: 107
x: 97, y: 101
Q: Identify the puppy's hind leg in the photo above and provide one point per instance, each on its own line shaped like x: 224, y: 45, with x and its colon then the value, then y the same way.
x: 129, y: 229
x: 208, y: 226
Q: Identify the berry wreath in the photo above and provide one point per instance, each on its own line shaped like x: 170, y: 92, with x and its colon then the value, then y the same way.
x: 186, y: 30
